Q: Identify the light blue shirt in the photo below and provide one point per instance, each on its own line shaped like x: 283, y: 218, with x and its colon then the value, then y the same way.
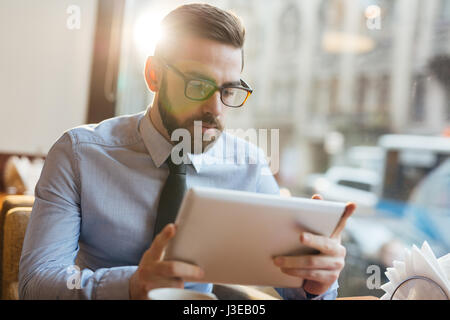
x: 96, y: 202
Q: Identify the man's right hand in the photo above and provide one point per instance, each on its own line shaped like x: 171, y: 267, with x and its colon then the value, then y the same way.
x: 154, y: 272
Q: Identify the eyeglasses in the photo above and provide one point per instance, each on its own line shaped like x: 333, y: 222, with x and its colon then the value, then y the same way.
x: 198, y: 89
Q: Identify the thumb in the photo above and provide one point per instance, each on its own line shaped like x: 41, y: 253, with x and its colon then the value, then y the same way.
x: 161, y: 241
x: 348, y: 211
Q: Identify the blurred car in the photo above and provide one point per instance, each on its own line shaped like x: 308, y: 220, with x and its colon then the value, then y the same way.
x: 429, y: 208
x: 366, y: 157
x: 413, y: 198
x: 341, y: 183
x: 408, y: 160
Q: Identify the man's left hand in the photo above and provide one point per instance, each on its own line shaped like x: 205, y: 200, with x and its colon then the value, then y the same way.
x: 320, y: 270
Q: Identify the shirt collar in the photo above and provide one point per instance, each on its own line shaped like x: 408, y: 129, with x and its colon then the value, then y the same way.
x: 159, y: 148
x: 211, y: 156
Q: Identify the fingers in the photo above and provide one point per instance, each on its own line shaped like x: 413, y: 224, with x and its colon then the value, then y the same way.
x: 322, y: 276
x: 327, y: 246
x: 178, y: 269
x: 154, y: 272
x: 160, y: 242
x: 160, y: 274
x: 309, y: 262
x: 349, y: 209
x: 167, y: 283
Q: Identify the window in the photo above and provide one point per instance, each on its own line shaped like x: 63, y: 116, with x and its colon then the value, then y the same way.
x: 318, y: 71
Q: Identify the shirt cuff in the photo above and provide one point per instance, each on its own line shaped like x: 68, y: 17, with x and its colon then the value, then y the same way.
x: 114, y: 284
x: 330, y: 294
x: 310, y: 296
x: 301, y: 294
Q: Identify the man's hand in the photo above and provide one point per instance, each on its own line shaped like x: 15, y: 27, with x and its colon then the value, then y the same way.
x: 153, y: 272
x: 321, y: 270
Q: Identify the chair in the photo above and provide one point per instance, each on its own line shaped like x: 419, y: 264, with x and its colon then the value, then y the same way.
x: 9, y: 202
x: 15, y: 225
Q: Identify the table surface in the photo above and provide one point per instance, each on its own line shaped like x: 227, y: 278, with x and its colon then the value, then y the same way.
x: 359, y: 298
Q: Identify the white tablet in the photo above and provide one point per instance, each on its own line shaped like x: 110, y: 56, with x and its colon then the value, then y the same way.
x: 234, y: 235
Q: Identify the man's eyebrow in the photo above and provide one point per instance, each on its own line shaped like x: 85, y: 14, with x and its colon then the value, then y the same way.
x: 205, y: 77
x: 232, y: 83
x: 200, y: 76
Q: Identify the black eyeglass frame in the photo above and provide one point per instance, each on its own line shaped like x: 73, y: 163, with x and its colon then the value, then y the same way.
x: 187, y: 78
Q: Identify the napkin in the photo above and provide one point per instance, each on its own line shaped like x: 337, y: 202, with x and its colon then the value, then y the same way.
x: 418, y: 262
x: 21, y: 174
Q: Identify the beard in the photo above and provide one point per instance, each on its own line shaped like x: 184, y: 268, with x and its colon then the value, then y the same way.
x: 171, y: 123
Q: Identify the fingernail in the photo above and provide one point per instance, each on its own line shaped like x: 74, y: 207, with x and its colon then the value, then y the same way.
x: 306, y: 237
x: 278, y: 261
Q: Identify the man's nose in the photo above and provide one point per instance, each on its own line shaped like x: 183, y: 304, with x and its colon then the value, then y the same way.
x: 213, y: 105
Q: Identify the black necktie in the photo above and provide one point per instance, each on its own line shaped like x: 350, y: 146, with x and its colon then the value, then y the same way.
x: 171, y: 196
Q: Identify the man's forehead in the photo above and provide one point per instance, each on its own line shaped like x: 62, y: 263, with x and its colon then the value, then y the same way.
x: 208, y: 57
x: 215, y: 73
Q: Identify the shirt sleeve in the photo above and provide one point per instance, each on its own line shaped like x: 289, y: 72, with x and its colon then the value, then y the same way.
x: 47, y: 267
x: 268, y: 184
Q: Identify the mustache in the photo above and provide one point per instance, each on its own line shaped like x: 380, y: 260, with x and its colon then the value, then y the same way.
x: 207, y: 119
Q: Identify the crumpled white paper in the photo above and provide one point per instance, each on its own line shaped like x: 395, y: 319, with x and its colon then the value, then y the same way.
x: 22, y: 174
x: 418, y: 262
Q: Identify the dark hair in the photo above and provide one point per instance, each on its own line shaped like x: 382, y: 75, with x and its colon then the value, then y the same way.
x: 202, y: 20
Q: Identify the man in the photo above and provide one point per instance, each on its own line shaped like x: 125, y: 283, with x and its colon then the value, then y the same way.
x: 94, y: 231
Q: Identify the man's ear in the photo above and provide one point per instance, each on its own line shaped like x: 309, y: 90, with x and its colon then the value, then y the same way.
x: 153, y: 73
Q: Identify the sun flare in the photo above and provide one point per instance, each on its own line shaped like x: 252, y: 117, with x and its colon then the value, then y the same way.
x: 147, y: 32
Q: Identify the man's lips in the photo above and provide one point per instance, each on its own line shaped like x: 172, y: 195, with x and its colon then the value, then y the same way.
x: 209, y: 126
x: 206, y: 128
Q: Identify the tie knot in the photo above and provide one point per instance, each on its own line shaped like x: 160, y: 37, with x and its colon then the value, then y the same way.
x: 176, y: 168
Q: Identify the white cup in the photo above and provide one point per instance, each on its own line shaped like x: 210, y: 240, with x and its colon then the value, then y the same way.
x: 179, y: 294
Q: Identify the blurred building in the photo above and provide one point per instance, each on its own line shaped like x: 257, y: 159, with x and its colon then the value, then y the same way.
x: 318, y: 67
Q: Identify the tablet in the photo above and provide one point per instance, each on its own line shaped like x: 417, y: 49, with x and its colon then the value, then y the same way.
x: 234, y: 235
